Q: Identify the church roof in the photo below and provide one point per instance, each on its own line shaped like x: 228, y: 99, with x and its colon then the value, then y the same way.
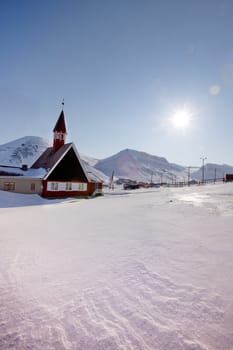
x: 60, y: 124
x: 49, y: 159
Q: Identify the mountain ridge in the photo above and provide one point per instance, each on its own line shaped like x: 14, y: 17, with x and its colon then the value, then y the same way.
x: 127, y: 163
x: 27, y: 149
x: 24, y: 150
x: 139, y: 166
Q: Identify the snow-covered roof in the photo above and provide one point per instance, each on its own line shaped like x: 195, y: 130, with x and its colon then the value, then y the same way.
x: 18, y: 172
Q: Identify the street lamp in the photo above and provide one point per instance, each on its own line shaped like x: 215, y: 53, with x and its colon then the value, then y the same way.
x: 203, y: 165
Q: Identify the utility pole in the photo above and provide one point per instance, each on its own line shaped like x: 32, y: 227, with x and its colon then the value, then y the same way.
x: 161, y: 178
x: 189, y: 175
x: 111, y: 184
x: 151, y: 179
x: 203, y: 168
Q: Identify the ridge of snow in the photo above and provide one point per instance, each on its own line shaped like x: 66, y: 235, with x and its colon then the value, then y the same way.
x: 88, y: 160
x: 128, y: 163
x: 212, y: 170
x: 145, y: 270
x: 25, y: 150
x: 140, y: 166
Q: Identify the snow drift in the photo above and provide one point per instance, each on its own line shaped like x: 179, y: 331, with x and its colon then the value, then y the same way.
x: 141, y: 271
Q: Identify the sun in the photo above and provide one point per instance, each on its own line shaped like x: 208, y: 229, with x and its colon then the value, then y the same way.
x: 181, y: 119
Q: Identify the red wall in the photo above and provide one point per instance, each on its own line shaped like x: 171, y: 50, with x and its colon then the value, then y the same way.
x: 229, y: 177
x: 91, y: 187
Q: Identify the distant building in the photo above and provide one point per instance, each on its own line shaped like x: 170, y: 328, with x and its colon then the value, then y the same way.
x: 229, y: 177
x: 58, y: 172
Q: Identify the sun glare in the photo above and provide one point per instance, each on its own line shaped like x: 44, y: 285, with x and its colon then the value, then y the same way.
x: 181, y: 119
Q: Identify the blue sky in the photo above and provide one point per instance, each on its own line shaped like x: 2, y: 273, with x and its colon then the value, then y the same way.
x: 124, y: 68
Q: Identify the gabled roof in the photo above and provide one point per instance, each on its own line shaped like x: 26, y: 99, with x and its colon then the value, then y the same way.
x: 60, y: 124
x: 50, y: 159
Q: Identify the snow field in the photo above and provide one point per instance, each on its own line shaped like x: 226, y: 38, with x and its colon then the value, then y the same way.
x: 139, y: 270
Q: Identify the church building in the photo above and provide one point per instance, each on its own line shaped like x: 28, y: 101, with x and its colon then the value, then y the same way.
x: 58, y: 172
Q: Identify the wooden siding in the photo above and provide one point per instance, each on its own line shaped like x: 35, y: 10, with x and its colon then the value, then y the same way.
x: 88, y: 190
x: 21, y: 185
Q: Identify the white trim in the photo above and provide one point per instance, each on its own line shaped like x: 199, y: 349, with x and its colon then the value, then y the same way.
x: 62, y: 156
x: 56, y: 186
x: 80, y: 161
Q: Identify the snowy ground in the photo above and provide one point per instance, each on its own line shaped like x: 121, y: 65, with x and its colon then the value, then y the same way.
x: 144, y: 270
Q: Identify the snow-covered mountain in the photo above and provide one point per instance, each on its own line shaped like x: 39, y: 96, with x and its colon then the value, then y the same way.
x: 140, y: 166
x: 28, y: 149
x: 94, y: 174
x: 212, y: 171
x: 130, y: 164
x: 88, y: 160
x: 25, y: 150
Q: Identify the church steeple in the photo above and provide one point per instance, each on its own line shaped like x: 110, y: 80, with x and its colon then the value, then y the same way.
x: 60, y: 133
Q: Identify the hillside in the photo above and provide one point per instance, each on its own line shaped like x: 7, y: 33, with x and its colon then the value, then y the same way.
x: 140, y: 166
x: 26, y: 150
x: 89, y: 165
x: 128, y: 163
x: 212, y: 171
x: 22, y: 151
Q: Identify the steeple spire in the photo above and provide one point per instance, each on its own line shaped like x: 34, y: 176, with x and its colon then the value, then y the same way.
x: 59, y: 131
